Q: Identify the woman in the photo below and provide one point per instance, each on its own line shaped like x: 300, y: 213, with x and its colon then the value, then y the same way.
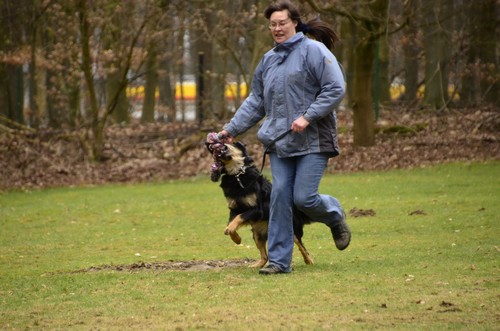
x: 296, y: 86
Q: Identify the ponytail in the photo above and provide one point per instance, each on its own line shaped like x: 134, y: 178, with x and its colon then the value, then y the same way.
x: 319, y: 31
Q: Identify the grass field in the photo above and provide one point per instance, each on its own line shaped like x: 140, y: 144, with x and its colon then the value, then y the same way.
x: 428, y: 259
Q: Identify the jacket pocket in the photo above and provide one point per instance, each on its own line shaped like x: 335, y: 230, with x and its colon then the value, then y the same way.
x: 270, y: 129
x: 296, y: 142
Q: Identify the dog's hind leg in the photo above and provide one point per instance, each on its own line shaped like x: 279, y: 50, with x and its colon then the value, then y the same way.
x: 232, y: 227
x: 305, y: 254
x: 259, y: 230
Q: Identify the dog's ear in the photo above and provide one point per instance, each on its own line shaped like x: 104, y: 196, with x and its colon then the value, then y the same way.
x: 241, y: 146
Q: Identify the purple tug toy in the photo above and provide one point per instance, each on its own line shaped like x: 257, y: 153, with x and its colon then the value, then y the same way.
x: 215, y: 144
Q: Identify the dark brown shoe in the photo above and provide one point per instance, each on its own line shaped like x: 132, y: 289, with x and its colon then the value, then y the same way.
x: 341, y: 233
x: 271, y: 270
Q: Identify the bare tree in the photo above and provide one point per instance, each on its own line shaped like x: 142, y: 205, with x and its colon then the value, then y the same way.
x: 115, y: 40
x: 12, y: 22
x: 232, y: 37
x: 125, y: 56
x: 166, y: 56
x: 437, y: 28
x: 61, y: 54
x: 151, y: 67
x: 411, y: 51
x: 151, y: 75
x: 370, y: 21
x: 481, y: 77
x: 79, y: 56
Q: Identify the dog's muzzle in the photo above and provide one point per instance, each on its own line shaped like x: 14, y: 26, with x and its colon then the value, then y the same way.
x: 219, y: 150
x: 215, y: 144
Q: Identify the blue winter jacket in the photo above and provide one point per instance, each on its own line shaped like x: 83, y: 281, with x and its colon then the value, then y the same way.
x: 297, y: 77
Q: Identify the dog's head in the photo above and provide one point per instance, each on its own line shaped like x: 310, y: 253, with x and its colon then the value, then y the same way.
x: 228, y: 158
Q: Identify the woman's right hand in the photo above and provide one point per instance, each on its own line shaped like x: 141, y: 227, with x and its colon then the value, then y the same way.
x: 226, y: 137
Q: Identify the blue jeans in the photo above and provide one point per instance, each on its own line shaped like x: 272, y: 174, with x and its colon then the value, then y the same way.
x: 296, y: 181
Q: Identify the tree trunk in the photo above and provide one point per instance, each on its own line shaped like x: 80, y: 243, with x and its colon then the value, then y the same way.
x: 114, y: 86
x: 470, y: 93
x: 97, y: 137
x: 148, y: 107
x: 74, y: 97
x: 362, y: 103
x: 180, y: 67
x: 11, y: 92
x: 33, y: 116
x: 347, y: 48
x: 411, y: 51
x: 166, y: 86
x: 12, y: 24
x: 481, y: 80
x: 369, y: 33
x: 167, y: 91
x: 437, y: 43
x: 206, y: 46
x: 384, y: 76
x: 41, y: 96
x: 217, y: 82
x: 115, y: 37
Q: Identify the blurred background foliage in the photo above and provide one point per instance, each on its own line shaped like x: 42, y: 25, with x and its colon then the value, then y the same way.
x: 84, y: 65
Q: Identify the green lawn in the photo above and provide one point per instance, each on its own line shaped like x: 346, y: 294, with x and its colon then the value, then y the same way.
x: 428, y: 259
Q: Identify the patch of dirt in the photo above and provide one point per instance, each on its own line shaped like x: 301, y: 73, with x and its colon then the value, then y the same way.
x: 355, y: 212
x: 170, y: 265
x: 158, y: 152
x: 417, y: 212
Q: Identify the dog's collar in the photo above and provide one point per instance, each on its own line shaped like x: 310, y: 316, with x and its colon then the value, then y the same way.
x: 241, y: 172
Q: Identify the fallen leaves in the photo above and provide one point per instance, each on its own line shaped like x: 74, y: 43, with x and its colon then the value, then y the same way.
x: 164, y: 151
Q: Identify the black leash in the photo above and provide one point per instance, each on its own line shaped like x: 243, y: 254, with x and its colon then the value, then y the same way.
x: 270, y: 144
x: 242, y: 171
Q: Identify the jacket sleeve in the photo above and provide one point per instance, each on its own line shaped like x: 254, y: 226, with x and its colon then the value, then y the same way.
x: 251, y: 110
x: 325, y: 68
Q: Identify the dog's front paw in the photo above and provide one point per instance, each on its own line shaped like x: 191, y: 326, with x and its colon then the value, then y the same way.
x: 232, y: 227
x: 234, y: 236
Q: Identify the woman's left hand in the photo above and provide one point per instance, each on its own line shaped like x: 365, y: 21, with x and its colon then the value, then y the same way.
x: 300, y: 124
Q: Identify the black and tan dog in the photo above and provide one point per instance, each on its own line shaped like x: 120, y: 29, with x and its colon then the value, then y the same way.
x: 248, y: 196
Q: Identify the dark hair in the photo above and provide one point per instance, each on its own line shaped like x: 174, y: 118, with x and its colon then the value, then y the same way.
x: 315, y: 28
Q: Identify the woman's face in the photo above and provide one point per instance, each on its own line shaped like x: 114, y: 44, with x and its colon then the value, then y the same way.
x: 281, y: 26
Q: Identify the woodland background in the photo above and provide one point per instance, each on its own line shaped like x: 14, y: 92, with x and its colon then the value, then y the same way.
x: 119, y: 91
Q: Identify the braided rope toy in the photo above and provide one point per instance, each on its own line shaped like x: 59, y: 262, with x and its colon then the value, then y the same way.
x: 215, y: 144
